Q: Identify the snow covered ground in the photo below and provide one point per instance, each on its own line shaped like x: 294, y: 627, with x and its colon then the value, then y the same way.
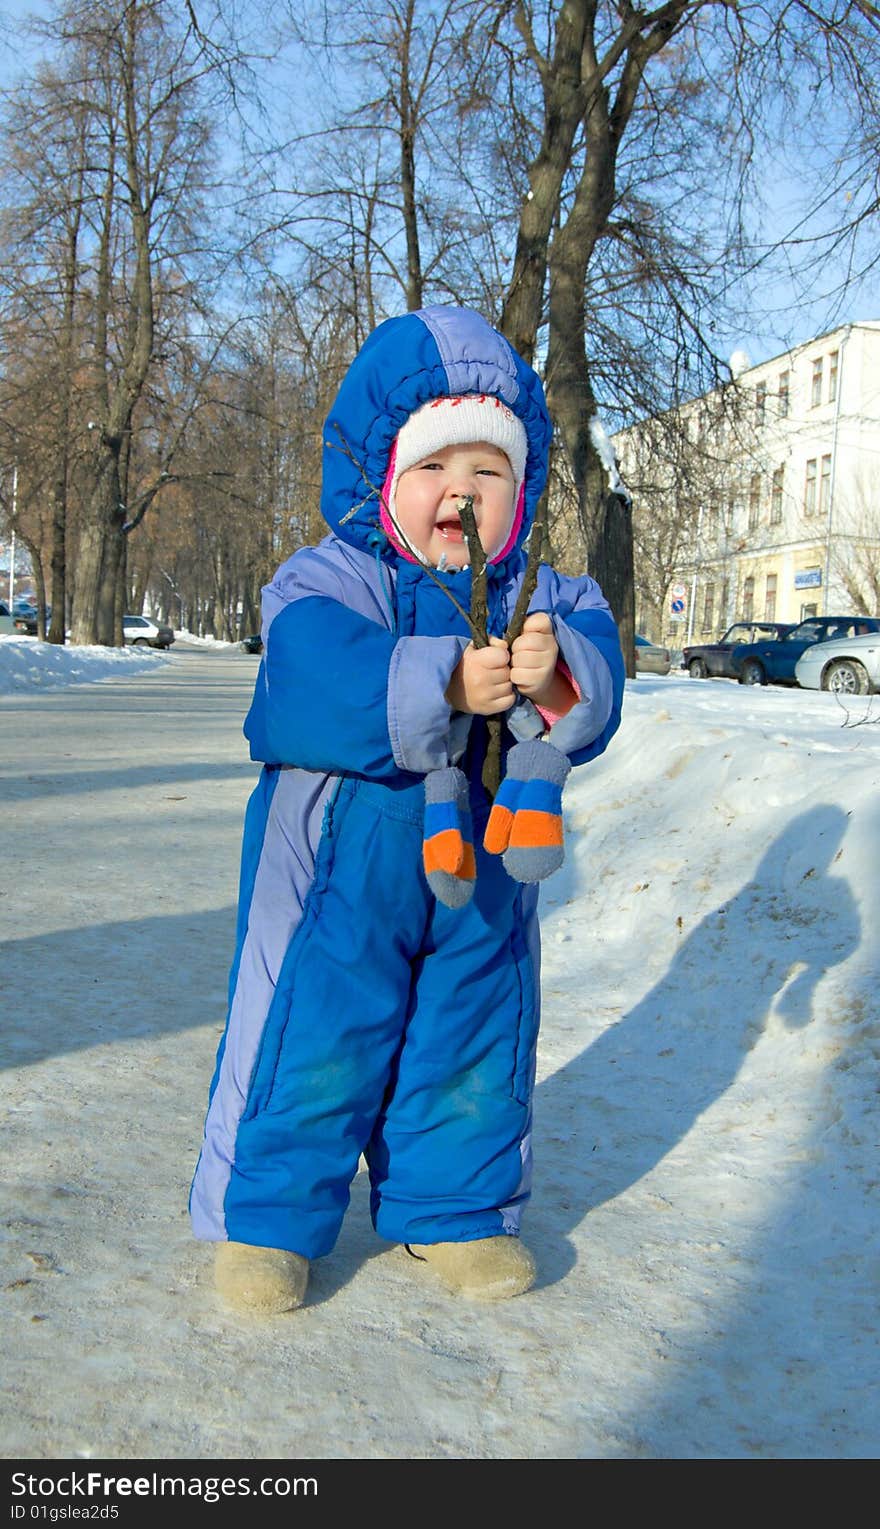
x: 705, y: 1213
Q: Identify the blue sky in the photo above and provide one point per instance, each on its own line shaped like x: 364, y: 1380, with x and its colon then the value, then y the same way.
x: 789, y: 308
x: 783, y: 312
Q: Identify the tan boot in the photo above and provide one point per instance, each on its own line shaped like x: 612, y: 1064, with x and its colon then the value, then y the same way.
x: 490, y: 1269
x: 263, y: 1281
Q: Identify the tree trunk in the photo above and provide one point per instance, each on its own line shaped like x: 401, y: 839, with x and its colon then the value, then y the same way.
x: 33, y: 548
x: 408, y: 124
x: 99, y: 558
x: 59, y: 542
x: 57, y: 628
x: 612, y: 567
x: 575, y: 93
x: 522, y: 312
x: 101, y: 553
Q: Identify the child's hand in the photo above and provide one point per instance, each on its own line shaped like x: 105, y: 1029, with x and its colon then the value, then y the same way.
x: 533, y: 657
x: 481, y: 682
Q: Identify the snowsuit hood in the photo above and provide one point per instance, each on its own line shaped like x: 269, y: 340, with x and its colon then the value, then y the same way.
x: 407, y: 361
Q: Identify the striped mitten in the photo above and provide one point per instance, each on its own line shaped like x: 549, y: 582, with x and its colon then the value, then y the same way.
x: 525, y: 824
x: 448, y: 848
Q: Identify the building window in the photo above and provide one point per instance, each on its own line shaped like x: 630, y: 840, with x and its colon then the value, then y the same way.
x: 770, y: 598
x: 760, y: 402
x: 832, y: 375
x: 810, y: 487
x: 754, y: 500
x: 708, y: 607
x: 825, y: 486
x: 748, y: 598
x: 816, y: 394
x: 776, y: 497
x: 783, y: 395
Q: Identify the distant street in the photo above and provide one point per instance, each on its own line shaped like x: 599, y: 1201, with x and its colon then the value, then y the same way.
x: 123, y: 800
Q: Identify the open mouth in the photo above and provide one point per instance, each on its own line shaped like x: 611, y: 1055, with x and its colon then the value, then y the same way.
x: 451, y: 530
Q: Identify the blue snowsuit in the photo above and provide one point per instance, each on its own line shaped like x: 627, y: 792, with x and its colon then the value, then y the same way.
x: 365, y: 1017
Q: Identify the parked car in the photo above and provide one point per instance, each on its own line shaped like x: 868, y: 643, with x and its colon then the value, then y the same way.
x: 712, y: 660
x: 7, y: 621
x: 845, y: 665
x: 25, y: 617
x: 651, y: 658
x: 252, y: 644
x: 762, y: 663
x: 141, y: 631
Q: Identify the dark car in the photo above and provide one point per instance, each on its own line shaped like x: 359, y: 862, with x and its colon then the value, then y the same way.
x: 712, y: 660
x: 252, y: 644
x: 762, y: 663
x: 25, y: 617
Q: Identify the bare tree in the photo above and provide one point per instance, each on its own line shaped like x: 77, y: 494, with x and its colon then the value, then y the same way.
x: 118, y: 204
x: 244, y: 487
x: 149, y: 147
x: 42, y: 186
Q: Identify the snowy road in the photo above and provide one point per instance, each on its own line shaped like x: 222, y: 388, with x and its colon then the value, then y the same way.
x: 705, y: 1217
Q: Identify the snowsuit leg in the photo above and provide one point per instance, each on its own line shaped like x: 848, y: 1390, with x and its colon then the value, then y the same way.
x: 450, y: 1155
x: 331, y: 1033
x: 375, y: 963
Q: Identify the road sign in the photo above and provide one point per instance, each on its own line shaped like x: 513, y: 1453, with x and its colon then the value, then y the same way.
x: 677, y: 602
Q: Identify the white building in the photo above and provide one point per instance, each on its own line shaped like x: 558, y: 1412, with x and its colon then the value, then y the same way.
x: 789, y: 524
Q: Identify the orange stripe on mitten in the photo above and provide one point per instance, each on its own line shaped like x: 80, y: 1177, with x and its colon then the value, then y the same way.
x: 448, y: 846
x: 525, y: 824
x: 497, y: 835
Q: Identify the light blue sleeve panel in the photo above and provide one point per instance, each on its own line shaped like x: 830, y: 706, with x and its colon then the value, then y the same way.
x: 589, y: 645
x: 419, y: 716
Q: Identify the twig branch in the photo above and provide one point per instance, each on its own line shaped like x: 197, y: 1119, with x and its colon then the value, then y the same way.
x: 491, y: 773
x: 479, y: 564
x: 865, y: 719
x: 530, y: 577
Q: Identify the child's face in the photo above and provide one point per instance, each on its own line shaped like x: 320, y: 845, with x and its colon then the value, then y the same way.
x: 427, y: 495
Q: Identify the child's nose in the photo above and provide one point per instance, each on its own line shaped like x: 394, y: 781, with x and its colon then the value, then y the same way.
x: 462, y: 481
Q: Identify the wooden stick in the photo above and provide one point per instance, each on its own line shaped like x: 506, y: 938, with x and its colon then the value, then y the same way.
x: 530, y: 577
x: 479, y: 564
x: 491, y: 773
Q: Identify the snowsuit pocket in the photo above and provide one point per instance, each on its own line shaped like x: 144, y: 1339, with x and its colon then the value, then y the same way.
x: 280, y: 1010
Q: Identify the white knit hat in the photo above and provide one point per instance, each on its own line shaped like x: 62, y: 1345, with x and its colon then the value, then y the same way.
x: 456, y: 422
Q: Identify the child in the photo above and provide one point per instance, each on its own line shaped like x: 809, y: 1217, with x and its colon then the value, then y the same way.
x: 384, y: 992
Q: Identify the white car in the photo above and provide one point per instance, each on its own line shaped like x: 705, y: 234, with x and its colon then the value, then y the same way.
x: 845, y: 665
x: 143, y: 632
x: 651, y: 657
